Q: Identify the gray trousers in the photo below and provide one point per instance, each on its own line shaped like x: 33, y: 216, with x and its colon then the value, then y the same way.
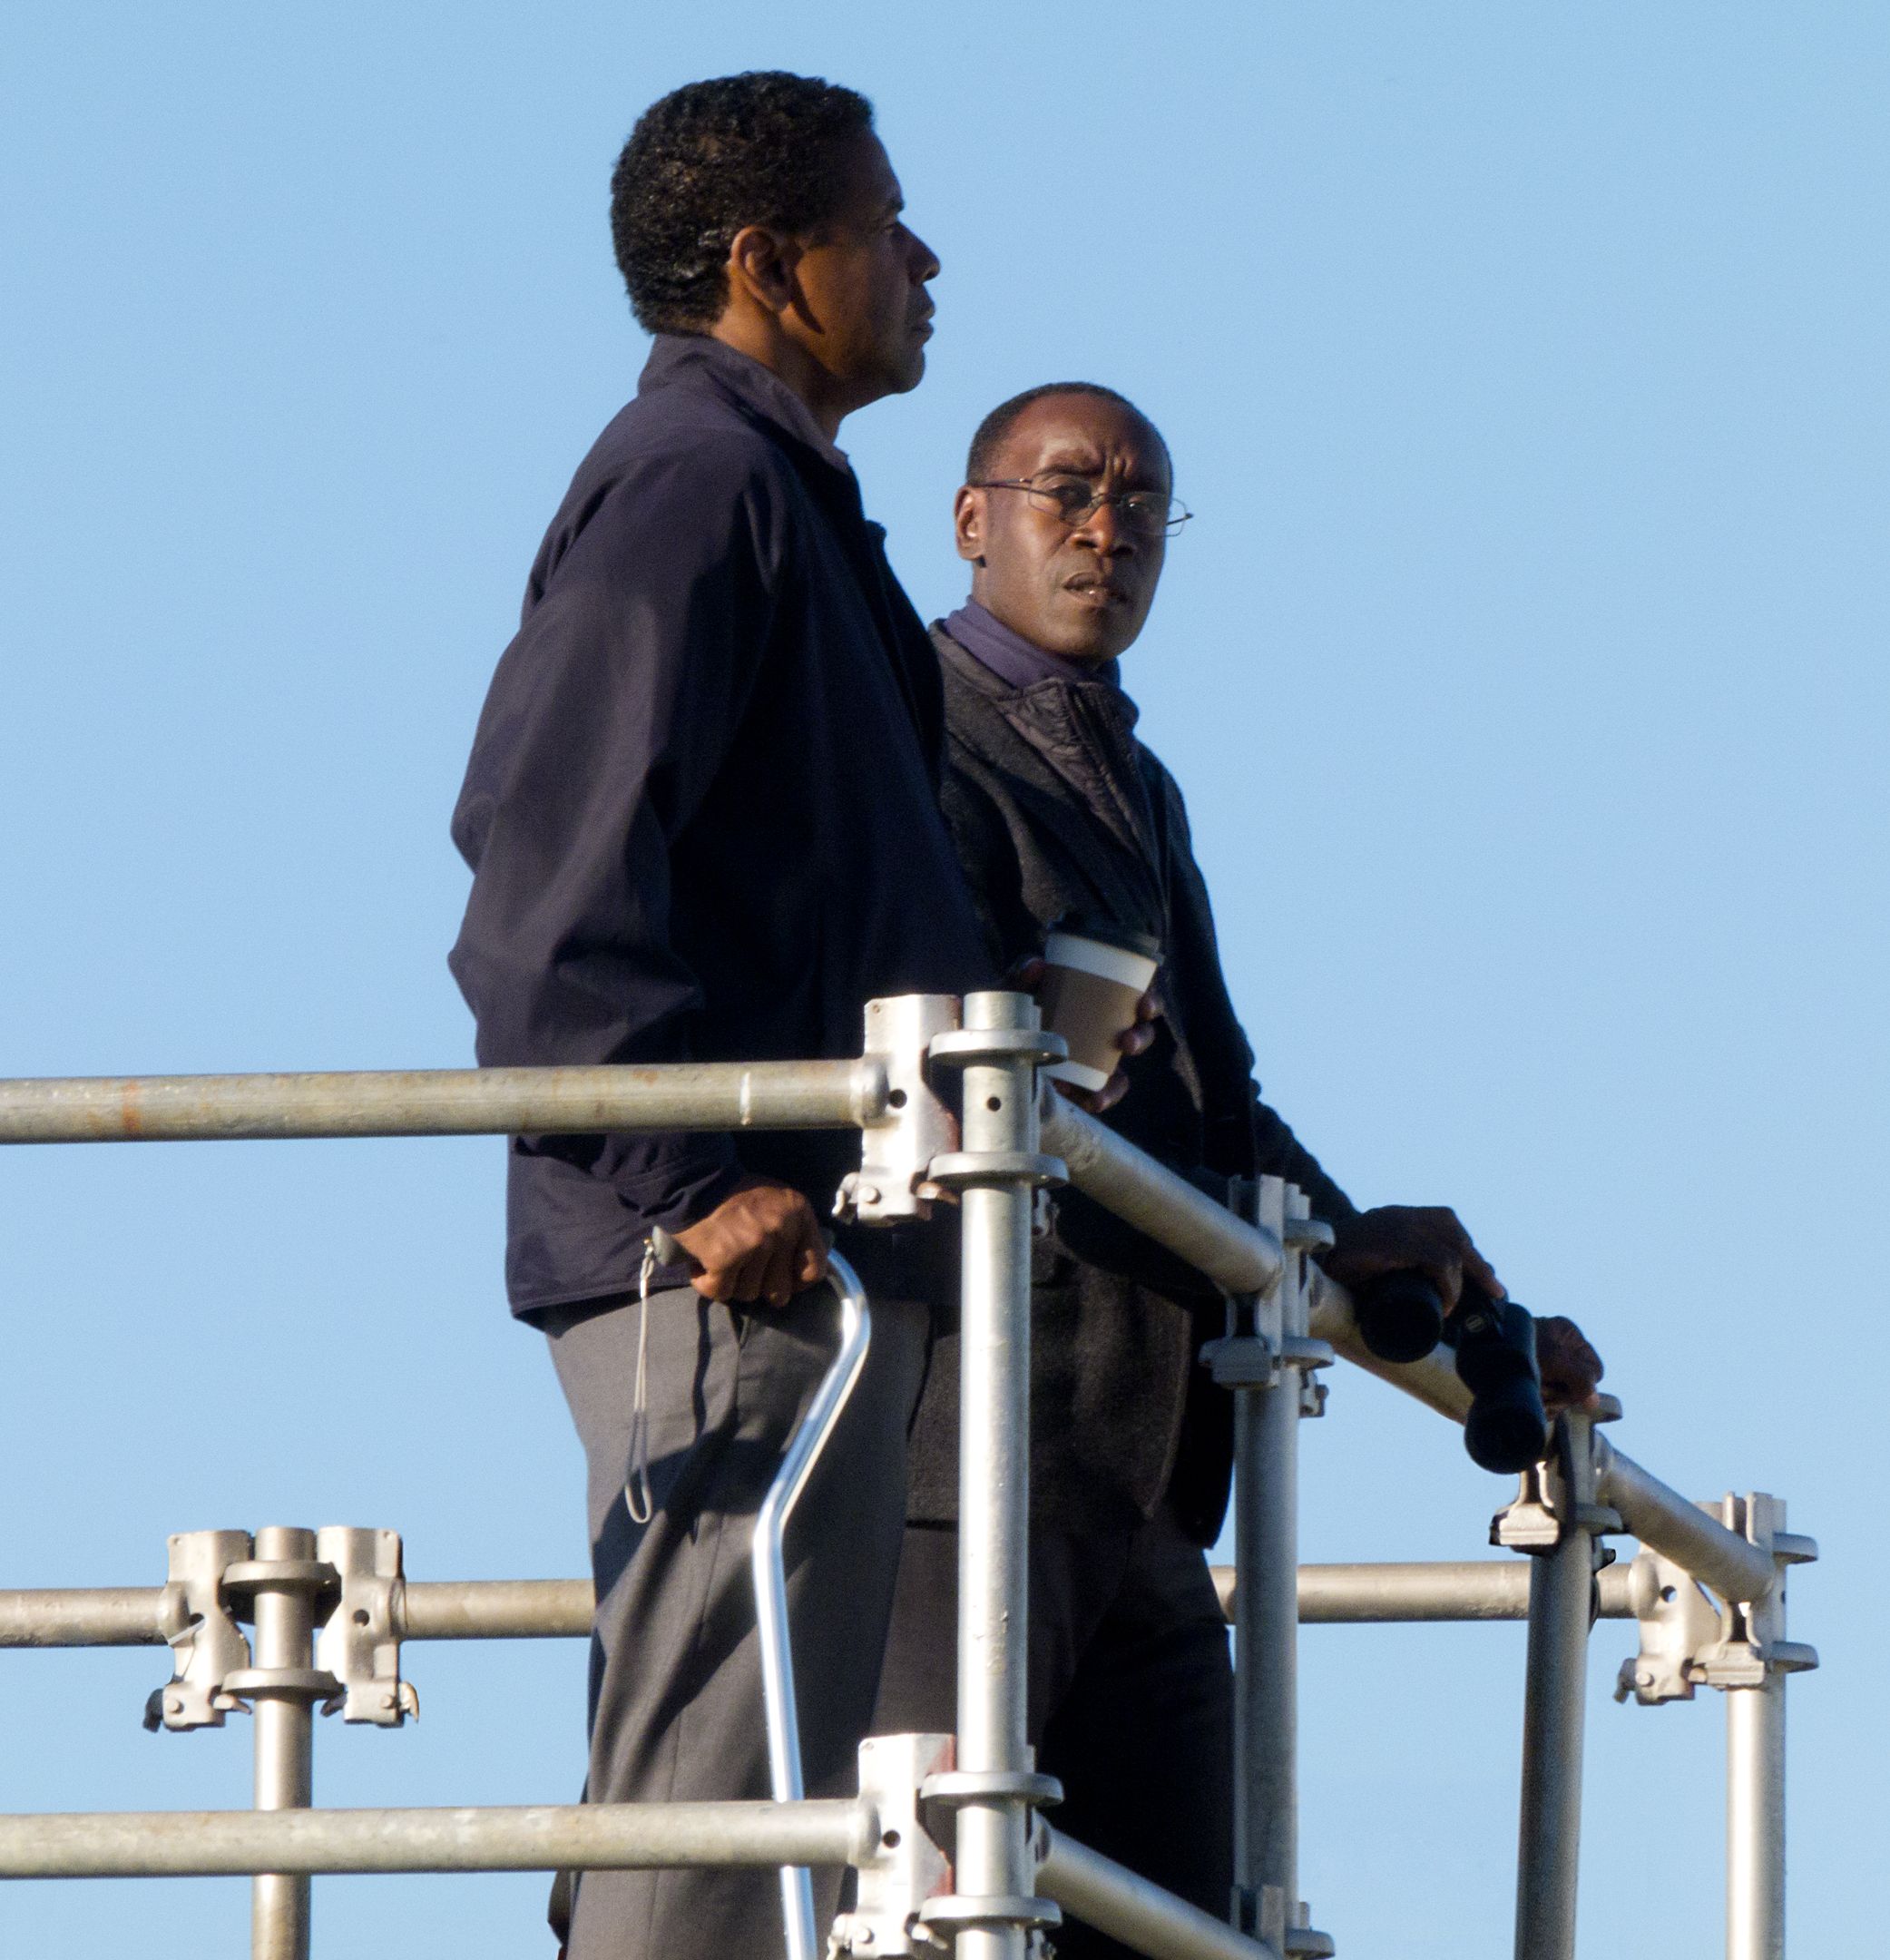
x: 675, y: 1705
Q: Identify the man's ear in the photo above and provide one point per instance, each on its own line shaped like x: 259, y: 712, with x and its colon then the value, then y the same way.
x: 968, y: 523
x: 761, y: 269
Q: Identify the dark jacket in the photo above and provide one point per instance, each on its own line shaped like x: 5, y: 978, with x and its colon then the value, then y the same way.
x: 701, y: 809
x: 1054, y: 806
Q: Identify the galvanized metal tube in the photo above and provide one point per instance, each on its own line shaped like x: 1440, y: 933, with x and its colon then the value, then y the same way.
x: 88, y: 1616
x: 1661, y: 1517
x: 1555, y: 1693
x: 1468, y: 1589
x: 1266, y: 1390
x: 1551, y: 1831
x: 992, y: 1857
x: 684, y: 1095
x: 563, y: 1609
x: 1114, y: 1900
x: 769, y: 1570
x: 1755, y: 1821
x: 1433, y: 1381
x: 1238, y: 1257
x: 432, y: 1610
x: 1655, y: 1514
x: 285, y: 1738
x: 153, y: 1843
x: 1446, y: 1590
x: 488, y: 1608
x: 1241, y: 1258
x: 1266, y: 1639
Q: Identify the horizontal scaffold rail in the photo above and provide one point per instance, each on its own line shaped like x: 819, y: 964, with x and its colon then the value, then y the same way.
x: 499, y: 1101
x: 1242, y: 1258
x: 1238, y: 1256
x: 562, y: 1608
x: 997, y: 1143
x: 216, y: 1843
x: 1394, y: 1594
x: 173, y: 1843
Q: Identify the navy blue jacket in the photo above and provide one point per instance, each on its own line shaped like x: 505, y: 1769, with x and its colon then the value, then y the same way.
x: 701, y: 811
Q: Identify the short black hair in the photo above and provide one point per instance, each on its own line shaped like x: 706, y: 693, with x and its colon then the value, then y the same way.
x: 1001, y: 419
x: 762, y: 149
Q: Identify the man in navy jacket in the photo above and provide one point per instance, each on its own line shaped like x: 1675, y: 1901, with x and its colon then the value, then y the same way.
x: 701, y: 816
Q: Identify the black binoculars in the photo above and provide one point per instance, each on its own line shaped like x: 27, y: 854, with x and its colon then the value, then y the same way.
x: 1401, y: 1319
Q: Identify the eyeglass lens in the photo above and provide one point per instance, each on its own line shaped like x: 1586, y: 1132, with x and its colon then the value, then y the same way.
x: 1074, y: 498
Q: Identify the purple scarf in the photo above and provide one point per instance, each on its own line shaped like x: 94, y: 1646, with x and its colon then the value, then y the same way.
x: 1012, y: 658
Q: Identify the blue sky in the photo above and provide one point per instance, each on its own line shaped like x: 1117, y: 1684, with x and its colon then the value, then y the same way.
x: 1523, y: 669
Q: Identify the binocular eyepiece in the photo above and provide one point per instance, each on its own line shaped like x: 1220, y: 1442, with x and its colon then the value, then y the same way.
x: 1401, y: 1319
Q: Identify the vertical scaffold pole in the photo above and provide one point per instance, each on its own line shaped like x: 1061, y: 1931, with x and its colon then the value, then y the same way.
x: 998, y: 1171
x: 1755, y: 1820
x: 1264, y: 1360
x: 1755, y: 1742
x: 285, y: 1722
x: 1561, y: 1606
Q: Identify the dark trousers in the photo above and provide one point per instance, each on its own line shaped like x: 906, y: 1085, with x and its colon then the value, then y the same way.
x: 676, y: 1712
x: 1130, y: 1696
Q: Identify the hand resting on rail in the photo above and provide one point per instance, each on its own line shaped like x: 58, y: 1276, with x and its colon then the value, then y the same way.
x: 762, y: 1242
x: 1430, y: 1240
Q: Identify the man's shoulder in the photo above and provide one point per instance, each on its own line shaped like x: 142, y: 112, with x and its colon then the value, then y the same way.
x: 980, y: 741
x: 668, y: 477
x: 694, y: 436
x: 1156, y: 772
x: 974, y: 696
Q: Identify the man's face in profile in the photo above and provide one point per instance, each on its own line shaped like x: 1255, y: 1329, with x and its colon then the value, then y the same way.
x: 1075, y: 582
x: 863, y: 278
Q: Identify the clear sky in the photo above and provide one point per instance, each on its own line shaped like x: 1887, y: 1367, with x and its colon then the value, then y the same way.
x: 1524, y: 669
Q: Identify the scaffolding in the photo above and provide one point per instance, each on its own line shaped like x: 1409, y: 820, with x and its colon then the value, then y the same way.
x: 945, y: 1833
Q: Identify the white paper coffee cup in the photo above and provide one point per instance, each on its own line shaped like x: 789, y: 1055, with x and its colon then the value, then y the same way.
x: 1094, y: 978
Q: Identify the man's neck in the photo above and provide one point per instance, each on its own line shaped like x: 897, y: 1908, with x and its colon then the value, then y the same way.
x: 1080, y: 664
x: 1012, y: 657
x: 760, y: 338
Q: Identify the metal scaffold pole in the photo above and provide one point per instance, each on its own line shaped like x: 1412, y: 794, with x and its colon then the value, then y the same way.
x: 1755, y: 1821
x: 1561, y: 1609
x: 1265, y: 1360
x: 1266, y: 1644
x: 993, y: 1785
x: 946, y: 1845
x: 284, y: 1579
x: 1754, y: 1673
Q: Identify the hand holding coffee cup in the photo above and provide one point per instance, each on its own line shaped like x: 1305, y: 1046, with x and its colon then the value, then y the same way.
x: 1093, y: 992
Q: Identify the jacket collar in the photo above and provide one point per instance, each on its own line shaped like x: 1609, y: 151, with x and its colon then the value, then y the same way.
x: 1015, y: 672
x: 1006, y: 651
x: 699, y: 361
x: 1081, y: 732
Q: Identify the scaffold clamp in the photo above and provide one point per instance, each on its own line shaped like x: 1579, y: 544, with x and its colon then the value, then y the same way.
x: 353, y: 1580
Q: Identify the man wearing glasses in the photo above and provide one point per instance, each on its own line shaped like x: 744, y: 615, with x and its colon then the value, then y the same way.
x: 1057, y: 809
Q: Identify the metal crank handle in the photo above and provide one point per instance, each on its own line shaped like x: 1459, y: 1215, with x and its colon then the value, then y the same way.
x: 770, y: 1582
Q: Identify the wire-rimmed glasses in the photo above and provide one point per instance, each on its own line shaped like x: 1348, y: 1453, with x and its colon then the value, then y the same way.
x: 1075, y: 499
